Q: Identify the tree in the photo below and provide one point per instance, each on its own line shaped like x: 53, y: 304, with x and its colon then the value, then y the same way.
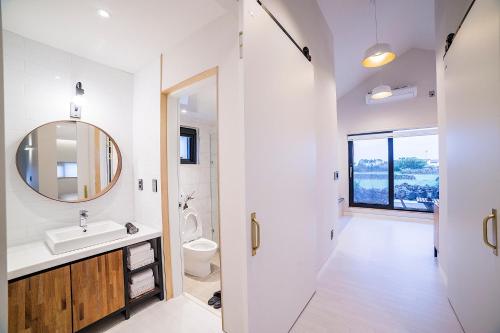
x: 412, y: 163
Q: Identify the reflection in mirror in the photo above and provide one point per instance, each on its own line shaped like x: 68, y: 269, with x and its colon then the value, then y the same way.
x: 69, y: 161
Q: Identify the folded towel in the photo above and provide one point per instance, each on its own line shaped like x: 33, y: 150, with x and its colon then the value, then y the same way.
x: 138, y: 248
x: 141, y: 276
x: 142, y: 284
x: 141, y: 256
x: 146, y: 256
x: 137, y: 290
x: 140, y: 264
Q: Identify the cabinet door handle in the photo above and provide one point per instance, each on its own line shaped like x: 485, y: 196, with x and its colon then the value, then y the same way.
x: 493, y: 218
x: 255, y: 234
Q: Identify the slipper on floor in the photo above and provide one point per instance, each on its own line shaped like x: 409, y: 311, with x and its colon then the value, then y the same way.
x: 213, y: 300
x: 218, y: 304
x: 217, y: 294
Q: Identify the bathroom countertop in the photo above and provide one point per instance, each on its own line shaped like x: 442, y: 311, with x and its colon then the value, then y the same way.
x: 34, y: 257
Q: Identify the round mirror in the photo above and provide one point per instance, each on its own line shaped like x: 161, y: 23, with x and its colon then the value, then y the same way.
x: 69, y: 161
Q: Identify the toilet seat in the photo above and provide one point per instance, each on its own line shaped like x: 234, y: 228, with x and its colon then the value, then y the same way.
x: 192, y: 227
x: 201, y: 245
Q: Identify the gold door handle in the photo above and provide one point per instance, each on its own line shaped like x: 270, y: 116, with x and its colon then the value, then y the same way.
x: 493, y: 218
x: 255, y: 234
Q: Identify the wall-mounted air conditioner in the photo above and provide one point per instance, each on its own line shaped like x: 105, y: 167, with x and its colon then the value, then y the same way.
x: 398, y: 94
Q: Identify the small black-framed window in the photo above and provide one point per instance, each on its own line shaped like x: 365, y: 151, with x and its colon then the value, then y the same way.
x: 188, y: 145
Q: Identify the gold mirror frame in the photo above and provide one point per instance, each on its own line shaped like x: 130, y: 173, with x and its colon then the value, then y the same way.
x: 103, y: 191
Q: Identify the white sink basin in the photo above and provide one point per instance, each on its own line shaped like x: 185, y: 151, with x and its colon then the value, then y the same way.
x: 73, y: 238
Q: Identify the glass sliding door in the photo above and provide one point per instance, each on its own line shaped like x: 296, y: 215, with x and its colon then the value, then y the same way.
x: 371, y: 184
x: 394, y: 170
x: 416, y: 172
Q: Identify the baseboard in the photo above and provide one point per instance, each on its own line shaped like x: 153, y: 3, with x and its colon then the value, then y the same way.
x: 300, y: 314
x: 416, y: 217
x: 325, y: 264
x: 443, y: 274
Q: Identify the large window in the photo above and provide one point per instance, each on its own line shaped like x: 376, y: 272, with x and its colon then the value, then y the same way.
x: 394, y: 170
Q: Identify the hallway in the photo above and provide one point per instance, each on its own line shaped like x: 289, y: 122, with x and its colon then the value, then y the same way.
x: 381, y: 278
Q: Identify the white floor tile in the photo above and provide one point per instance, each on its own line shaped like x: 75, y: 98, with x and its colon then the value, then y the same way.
x: 179, y: 315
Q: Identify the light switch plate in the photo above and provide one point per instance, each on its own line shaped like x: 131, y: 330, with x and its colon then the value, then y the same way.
x: 75, y: 111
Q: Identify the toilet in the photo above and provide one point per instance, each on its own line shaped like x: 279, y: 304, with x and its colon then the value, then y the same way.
x: 197, y: 251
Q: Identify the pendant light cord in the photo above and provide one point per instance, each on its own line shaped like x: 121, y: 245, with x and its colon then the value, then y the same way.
x: 376, y: 20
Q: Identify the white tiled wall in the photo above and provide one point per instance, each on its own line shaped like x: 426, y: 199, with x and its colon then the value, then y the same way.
x: 197, y: 177
x: 39, y: 84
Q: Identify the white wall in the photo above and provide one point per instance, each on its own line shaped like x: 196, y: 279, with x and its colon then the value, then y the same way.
x: 214, y: 45
x: 449, y: 13
x: 197, y: 177
x: 146, y: 136
x: 3, y: 230
x: 39, y: 84
x: 415, y: 67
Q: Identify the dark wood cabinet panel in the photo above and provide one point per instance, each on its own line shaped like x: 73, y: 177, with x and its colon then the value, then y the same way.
x: 98, y: 288
x: 41, y: 303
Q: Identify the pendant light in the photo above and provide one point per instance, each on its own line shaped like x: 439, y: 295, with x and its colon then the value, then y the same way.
x: 379, y: 54
x: 381, y: 92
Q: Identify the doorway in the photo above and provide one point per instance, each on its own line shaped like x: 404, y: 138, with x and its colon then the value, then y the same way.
x: 193, y: 188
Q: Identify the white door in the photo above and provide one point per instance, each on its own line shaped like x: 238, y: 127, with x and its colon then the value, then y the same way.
x: 472, y: 81
x: 280, y: 172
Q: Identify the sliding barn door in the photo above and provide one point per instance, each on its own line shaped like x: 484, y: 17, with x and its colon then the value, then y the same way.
x: 280, y: 172
x: 472, y: 81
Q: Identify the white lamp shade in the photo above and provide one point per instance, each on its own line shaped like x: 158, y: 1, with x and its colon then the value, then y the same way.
x: 381, y: 92
x: 378, y: 55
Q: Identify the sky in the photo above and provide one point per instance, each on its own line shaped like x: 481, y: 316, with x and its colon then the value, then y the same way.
x: 425, y: 147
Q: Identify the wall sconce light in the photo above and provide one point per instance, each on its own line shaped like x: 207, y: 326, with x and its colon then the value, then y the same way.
x: 78, y: 101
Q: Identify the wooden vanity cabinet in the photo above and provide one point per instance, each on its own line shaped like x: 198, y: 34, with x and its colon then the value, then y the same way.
x: 69, y: 298
x: 41, y: 303
x: 98, y: 288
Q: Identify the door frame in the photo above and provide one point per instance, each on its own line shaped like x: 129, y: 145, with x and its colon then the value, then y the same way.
x: 164, y: 134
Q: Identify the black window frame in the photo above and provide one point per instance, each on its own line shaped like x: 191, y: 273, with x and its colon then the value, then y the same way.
x: 192, y: 134
x: 390, y: 206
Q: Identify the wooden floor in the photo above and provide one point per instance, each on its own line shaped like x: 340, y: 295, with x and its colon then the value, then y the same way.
x: 381, y: 278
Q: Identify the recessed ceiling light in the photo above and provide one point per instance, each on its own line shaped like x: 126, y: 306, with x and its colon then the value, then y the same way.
x: 103, y: 13
x: 57, y: 77
x: 184, y: 111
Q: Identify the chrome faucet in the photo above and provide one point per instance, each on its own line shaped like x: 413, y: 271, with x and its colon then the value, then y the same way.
x: 83, y: 219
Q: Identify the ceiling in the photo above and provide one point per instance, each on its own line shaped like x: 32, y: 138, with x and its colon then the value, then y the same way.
x: 198, y: 102
x: 405, y: 24
x: 136, y: 32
